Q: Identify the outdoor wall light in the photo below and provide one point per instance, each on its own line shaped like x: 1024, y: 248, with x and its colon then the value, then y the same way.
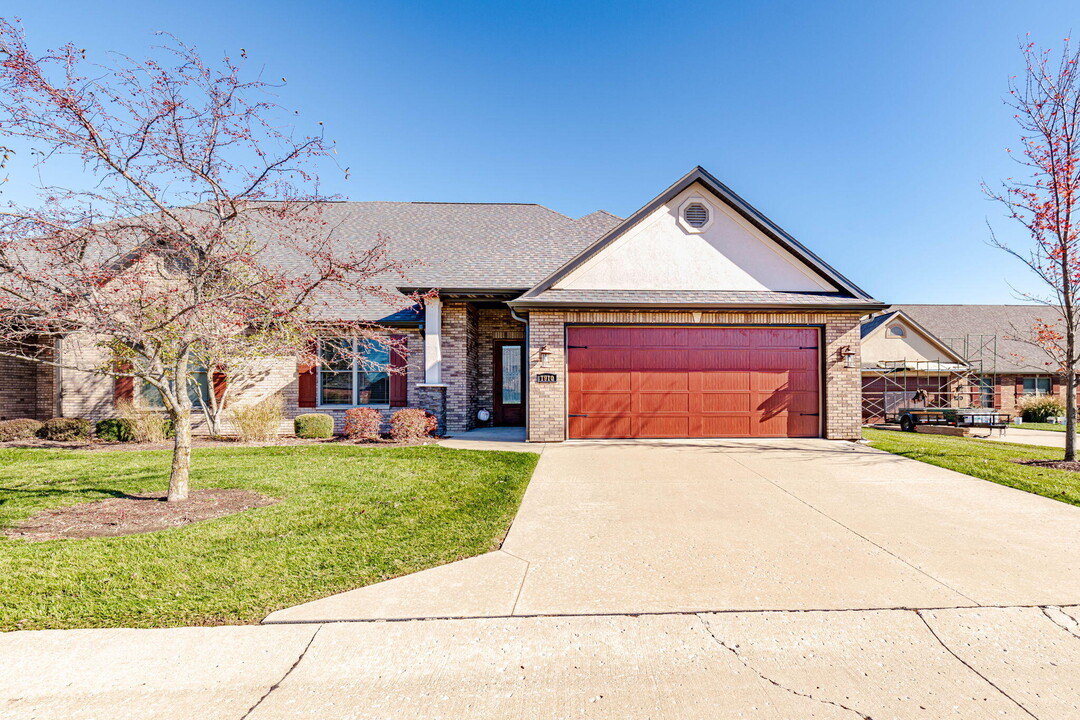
x: 545, y: 351
x: 848, y: 355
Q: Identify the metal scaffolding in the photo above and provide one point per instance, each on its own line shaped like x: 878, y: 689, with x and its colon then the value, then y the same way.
x: 892, y: 385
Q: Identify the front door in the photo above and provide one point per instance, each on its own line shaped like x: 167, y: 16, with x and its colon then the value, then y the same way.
x: 509, y: 385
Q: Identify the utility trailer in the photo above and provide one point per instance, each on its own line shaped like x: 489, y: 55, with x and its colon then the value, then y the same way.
x: 911, y: 417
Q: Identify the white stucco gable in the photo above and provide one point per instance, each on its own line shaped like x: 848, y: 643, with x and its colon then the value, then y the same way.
x: 896, y: 337
x: 662, y: 252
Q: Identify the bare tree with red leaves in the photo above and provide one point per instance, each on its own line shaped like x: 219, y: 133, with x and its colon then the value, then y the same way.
x: 199, y: 236
x: 1047, y: 203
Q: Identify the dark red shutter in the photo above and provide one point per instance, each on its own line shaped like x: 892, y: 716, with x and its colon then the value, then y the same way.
x: 305, y: 384
x: 220, y: 382
x: 399, y: 381
x: 123, y: 387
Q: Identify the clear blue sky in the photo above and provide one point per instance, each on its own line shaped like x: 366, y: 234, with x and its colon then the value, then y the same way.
x: 863, y: 128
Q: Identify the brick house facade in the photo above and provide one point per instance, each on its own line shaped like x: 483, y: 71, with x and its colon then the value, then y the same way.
x: 767, y: 334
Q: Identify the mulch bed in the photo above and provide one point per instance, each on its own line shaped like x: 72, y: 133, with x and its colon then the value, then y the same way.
x: 203, y: 442
x: 1052, y: 464
x: 134, y: 514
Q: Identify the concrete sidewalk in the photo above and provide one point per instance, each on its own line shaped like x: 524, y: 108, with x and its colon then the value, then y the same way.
x: 1023, y: 436
x: 970, y: 664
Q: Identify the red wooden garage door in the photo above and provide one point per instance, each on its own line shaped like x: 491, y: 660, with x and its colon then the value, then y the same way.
x: 659, y: 382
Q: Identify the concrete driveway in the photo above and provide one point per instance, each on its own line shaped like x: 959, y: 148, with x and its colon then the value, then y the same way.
x: 700, y: 526
x: 787, y: 579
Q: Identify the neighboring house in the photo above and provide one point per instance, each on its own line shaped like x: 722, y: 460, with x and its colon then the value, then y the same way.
x: 695, y: 317
x: 973, y: 355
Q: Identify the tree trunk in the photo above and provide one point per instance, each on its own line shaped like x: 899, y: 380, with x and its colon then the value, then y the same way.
x: 181, y: 461
x: 1070, y: 414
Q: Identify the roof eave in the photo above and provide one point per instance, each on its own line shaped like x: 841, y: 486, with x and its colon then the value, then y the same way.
x: 526, y: 303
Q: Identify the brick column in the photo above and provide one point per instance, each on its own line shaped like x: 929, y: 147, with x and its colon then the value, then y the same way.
x: 843, y: 385
x: 433, y: 399
x: 459, y: 366
x: 547, y: 401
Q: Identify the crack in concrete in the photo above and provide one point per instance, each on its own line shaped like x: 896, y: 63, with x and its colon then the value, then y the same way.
x: 746, y: 663
x: 1074, y: 630
x: 966, y: 664
x: 288, y: 672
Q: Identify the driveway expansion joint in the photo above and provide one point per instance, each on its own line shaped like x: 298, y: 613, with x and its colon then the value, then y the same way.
x: 966, y: 664
x: 854, y: 532
x: 746, y: 663
x: 288, y: 672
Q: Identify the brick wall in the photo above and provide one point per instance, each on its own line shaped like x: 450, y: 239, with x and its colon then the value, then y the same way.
x: 27, y: 388
x: 494, y: 324
x: 547, y: 402
x: 91, y: 396
x: 459, y: 364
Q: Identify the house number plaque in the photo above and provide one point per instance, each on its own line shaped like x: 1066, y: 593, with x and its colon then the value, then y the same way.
x: 546, y: 378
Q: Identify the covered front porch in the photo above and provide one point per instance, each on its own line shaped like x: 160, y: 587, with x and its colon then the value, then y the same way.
x: 474, y: 360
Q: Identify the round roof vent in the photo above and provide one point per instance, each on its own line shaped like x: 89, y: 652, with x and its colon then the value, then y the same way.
x: 696, y: 215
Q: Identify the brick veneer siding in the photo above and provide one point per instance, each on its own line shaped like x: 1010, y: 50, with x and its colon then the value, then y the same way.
x: 460, y: 334
x: 28, y: 388
x: 494, y: 324
x: 91, y: 396
x: 842, y: 391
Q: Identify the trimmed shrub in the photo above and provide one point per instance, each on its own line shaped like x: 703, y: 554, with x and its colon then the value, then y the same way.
x: 1038, y: 409
x: 147, y: 426
x: 412, y: 424
x: 314, y: 425
x: 363, y: 424
x: 19, y: 429
x: 115, y: 430
x: 64, y: 429
x: 260, y: 422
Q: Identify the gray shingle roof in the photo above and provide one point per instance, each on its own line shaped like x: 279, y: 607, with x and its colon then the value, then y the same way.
x: 874, y: 323
x: 987, y: 331
x: 461, y: 245
x: 700, y: 298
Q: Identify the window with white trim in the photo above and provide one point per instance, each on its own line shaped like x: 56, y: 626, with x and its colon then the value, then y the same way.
x: 897, y: 331
x: 352, y: 371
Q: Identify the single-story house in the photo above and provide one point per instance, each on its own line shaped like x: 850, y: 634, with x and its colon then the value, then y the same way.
x: 697, y: 316
x: 971, y: 355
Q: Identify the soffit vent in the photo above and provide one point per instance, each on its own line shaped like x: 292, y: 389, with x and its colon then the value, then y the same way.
x: 696, y: 215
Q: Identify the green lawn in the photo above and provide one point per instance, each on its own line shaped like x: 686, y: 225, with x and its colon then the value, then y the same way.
x: 984, y: 459
x: 1053, y: 427
x: 349, y: 516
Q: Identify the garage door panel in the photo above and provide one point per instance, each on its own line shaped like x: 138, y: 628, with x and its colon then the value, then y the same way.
x: 734, y: 381
x: 661, y: 337
x: 595, y: 402
x: 601, y: 336
x: 600, y: 381
x: 719, y: 337
x: 693, y: 382
x: 664, y: 426
x: 600, y: 359
x: 721, y: 359
x: 601, y: 427
x: 787, y: 337
x: 663, y: 402
x: 785, y: 360
x: 662, y: 382
x: 725, y: 402
x: 660, y: 359
x: 725, y: 426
